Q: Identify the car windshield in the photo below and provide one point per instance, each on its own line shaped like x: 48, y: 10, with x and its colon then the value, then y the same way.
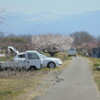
x: 72, y: 49
x: 42, y: 56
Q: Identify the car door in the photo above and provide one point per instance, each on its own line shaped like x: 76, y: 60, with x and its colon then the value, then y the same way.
x: 33, y: 60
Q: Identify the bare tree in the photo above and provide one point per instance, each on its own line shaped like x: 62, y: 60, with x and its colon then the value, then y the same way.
x: 81, y: 37
x: 98, y: 38
x: 51, y: 43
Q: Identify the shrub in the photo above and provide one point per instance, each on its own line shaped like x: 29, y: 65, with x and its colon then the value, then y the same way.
x: 96, y: 67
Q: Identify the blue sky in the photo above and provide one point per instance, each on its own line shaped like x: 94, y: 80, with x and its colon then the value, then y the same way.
x: 52, y: 6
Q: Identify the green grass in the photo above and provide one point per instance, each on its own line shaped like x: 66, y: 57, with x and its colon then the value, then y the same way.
x: 4, y: 93
x: 95, y: 63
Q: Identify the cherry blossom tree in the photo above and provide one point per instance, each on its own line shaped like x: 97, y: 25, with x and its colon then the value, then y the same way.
x: 52, y: 43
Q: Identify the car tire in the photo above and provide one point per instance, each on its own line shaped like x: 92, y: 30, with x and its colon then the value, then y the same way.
x: 51, y: 65
x: 23, y: 69
x: 32, y: 68
x: 68, y: 55
x: 0, y: 69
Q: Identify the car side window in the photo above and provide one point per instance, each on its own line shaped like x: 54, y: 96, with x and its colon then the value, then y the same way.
x: 32, y: 56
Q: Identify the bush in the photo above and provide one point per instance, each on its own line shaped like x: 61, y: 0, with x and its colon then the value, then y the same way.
x: 5, y: 93
x: 96, y: 67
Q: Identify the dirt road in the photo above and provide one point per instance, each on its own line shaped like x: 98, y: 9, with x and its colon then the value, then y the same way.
x: 77, y: 83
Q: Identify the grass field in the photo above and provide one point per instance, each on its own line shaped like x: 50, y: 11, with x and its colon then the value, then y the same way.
x: 18, y: 85
x: 95, y: 63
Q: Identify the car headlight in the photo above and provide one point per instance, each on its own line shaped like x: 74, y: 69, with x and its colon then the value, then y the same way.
x: 59, y: 61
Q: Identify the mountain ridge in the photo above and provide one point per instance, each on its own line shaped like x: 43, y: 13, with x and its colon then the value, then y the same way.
x: 46, y: 22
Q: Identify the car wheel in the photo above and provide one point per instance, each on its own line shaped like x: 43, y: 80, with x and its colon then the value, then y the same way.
x: 8, y: 69
x: 23, y: 69
x: 51, y: 65
x: 68, y: 55
x: 0, y: 69
x: 32, y: 68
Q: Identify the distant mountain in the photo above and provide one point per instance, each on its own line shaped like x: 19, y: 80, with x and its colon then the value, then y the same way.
x: 19, y: 23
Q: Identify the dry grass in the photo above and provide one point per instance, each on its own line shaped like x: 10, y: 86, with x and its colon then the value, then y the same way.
x: 95, y: 62
x: 15, y: 85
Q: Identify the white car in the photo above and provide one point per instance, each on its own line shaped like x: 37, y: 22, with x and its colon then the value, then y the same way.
x: 50, y: 62
x: 45, y: 61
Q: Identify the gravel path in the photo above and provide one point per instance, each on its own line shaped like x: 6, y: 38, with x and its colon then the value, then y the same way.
x: 77, y: 83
